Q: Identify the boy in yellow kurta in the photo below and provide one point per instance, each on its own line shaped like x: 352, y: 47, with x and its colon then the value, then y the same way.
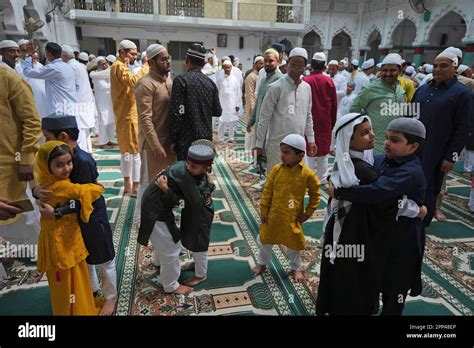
x: 282, y: 205
x: 61, y: 249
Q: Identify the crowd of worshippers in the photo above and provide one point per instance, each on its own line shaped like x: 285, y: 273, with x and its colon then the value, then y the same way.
x: 395, y: 130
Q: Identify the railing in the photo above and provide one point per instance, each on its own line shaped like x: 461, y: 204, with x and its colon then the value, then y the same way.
x: 247, y: 10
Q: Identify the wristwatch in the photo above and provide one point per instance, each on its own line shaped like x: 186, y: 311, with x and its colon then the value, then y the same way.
x: 58, y: 213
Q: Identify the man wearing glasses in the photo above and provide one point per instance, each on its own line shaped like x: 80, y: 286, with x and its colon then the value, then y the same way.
x: 286, y: 109
x: 153, y: 93
x: 122, y: 81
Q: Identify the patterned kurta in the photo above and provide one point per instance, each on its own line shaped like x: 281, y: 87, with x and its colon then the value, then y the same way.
x: 122, y: 81
x: 374, y: 100
x: 194, y: 100
x: 250, y: 93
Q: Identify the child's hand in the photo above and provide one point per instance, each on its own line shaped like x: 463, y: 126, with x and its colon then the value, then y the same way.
x: 423, y: 212
x: 303, y: 217
x: 209, y: 200
x: 41, y: 192
x: 263, y: 219
x: 330, y: 189
x: 46, y: 210
x: 209, y: 179
x: 162, y: 183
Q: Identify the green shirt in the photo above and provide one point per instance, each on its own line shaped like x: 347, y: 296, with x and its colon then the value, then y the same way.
x: 262, y: 91
x: 378, y: 100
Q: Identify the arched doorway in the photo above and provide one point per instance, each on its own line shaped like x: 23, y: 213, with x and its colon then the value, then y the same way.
x: 402, y: 39
x: 341, y: 46
x: 374, y: 42
x: 447, y: 31
x: 312, y: 43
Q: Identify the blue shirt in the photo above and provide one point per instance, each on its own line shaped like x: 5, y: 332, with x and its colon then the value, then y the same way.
x: 445, y: 111
x: 60, y: 84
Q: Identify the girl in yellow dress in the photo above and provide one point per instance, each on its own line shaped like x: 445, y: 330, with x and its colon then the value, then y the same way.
x: 282, y: 210
x: 61, y: 249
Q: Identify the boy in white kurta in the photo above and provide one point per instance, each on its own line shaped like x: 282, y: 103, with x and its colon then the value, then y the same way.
x: 230, y: 96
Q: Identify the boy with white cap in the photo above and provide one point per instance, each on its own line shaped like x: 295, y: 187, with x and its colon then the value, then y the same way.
x: 339, y: 80
x: 186, y: 184
x: 282, y: 210
x: 362, y: 78
x: 230, y: 97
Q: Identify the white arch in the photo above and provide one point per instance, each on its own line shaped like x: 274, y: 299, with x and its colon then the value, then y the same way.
x: 347, y: 31
x: 389, y: 36
x: 365, y: 38
x: 443, y: 12
x: 317, y: 30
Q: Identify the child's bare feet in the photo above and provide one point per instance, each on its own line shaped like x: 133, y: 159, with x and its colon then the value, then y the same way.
x: 257, y: 270
x: 182, y: 290
x: 135, y: 189
x: 297, y: 276
x: 188, y: 266
x: 439, y: 215
x: 194, y: 281
x: 108, y: 307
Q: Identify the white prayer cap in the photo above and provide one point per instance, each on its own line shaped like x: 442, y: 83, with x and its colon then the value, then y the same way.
x: 299, y: 52
x: 127, y: 45
x: 257, y: 59
x: 98, y: 59
x: 154, y: 50
x: 409, y: 70
x: 143, y: 55
x: 22, y: 42
x: 333, y: 62
x: 392, y: 58
x: 111, y: 58
x: 403, y: 61
x: 462, y: 68
x: 208, y: 55
x: 236, y: 61
x: 67, y: 49
x: 450, y: 56
x: 379, y: 65
x: 296, y: 141
x: 368, y: 64
x: 84, y: 56
x: 355, y: 62
x: 225, y: 58
x: 456, y: 51
x: 429, y: 68
x: 8, y: 44
x: 283, y: 63
x: 320, y: 56
x: 227, y: 62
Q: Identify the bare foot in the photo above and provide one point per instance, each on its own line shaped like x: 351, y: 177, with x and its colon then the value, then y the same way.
x: 194, y: 281
x: 108, y: 307
x: 134, y: 192
x: 439, y: 215
x: 257, y: 270
x: 182, y: 290
x: 298, y: 276
x: 188, y: 266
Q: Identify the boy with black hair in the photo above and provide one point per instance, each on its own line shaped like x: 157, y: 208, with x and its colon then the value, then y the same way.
x: 97, y: 233
x: 400, y: 243
x: 282, y: 210
x: 186, y: 184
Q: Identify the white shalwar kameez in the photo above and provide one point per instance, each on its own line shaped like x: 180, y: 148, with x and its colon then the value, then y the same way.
x: 230, y: 96
x: 103, y: 100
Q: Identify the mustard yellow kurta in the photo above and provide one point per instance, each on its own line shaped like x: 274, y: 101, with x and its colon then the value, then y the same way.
x: 20, y: 131
x: 61, y: 249
x: 282, y: 202
x: 122, y: 81
x: 408, y: 86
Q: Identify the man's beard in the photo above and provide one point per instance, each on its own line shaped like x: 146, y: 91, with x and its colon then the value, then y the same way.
x: 269, y: 70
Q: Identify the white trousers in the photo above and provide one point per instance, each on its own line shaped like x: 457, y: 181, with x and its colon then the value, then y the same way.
x: 84, y: 140
x: 265, y: 254
x: 322, y: 164
x: 200, y: 264
x: 250, y: 139
x: 167, y: 252
x: 222, y: 127
x: 130, y: 166
x: 109, y: 279
x: 106, y: 133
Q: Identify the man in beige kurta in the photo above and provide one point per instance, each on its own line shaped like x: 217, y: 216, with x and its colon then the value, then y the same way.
x: 153, y: 94
x: 122, y: 81
x: 20, y: 131
x: 251, y: 98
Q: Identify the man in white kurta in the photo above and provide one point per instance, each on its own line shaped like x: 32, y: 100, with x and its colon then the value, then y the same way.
x: 362, y: 79
x: 340, y: 81
x: 103, y: 100
x: 286, y: 109
x: 230, y: 97
x: 86, y: 110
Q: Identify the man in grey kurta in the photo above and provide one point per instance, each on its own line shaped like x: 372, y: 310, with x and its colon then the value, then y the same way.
x: 286, y: 109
